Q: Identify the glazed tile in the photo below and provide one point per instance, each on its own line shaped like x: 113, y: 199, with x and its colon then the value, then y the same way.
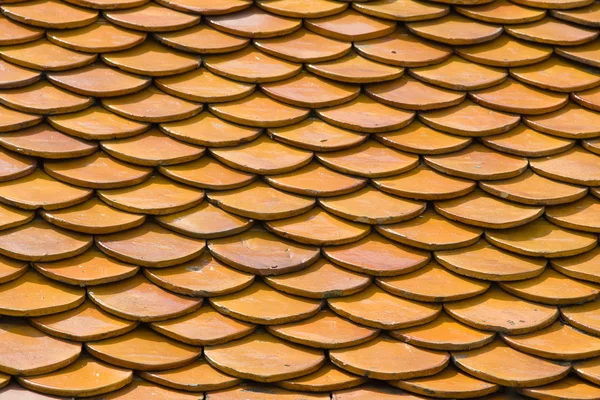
x: 140, y: 390
x: 263, y: 156
x: 374, y: 391
x: 580, y: 215
x: 526, y: 142
x: 98, y: 80
x: 204, y: 326
x: 557, y: 74
x: 364, y: 114
x: 489, y: 363
x: 555, y: 4
x: 84, y: 323
x: 325, y: 330
x: 207, y: 7
x: 588, y: 15
x: 99, y: 37
x: 432, y: 283
x: 201, y: 39
x: 375, y: 308
x: 589, y: 98
x: 505, y: 51
x: 96, y: 123
x: 455, y: 30
x: 14, y: 120
x: 552, y: 287
x: 43, y: 98
x: 568, y: 388
x: 553, y: 31
x: 586, y: 53
x: 262, y: 392
x: 350, y: 26
x: 502, y: 12
x: 205, y: 221
x: 196, y: 377
x: 386, y: 358
x: 530, y: 188
x: 152, y: 59
x: 404, y: 10
x: 444, y: 333
x: 260, y: 201
x: 409, y: 93
x: 50, y: 14
x: 424, y: 183
x: 97, y: 171
x: 156, y: 196
x: 201, y: 85
x: 44, y: 55
x: 326, y: 378
x: 11, y: 269
x: 208, y: 173
x: 585, y: 317
x: 259, y: 110
x: 201, y: 277
x: 588, y: 369
x: 262, y: 357
x: 85, y: 377
x: 353, y: 68
x: 143, y: 350
x: 302, y: 45
x: 26, y: 351
x: 14, y: 76
x: 261, y: 304
x: 151, y: 17
x: 375, y: 255
x: 89, y: 268
x: 557, y: 342
x: 108, y: 4
x: 302, y: 8
x: 15, y: 33
x: 200, y: 130
x: 14, y: 166
x: 16, y: 390
x: 459, y: 74
x: 253, y: 22
x: 150, y: 245
x: 498, y: 311
x: 583, y: 266
x: 40, y: 241
x: 450, y: 383
x: 484, y: 261
x: 576, y: 166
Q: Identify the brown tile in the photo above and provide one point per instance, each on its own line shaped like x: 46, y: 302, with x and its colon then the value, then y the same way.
x: 262, y: 392
x: 568, y: 388
x: 140, y: 390
x: 14, y: 76
x: 15, y: 33
x: 98, y: 37
x: 151, y: 17
x: 207, y: 173
x: 459, y: 74
x: 303, y: 8
x: 44, y: 98
x: 350, y: 26
x: 374, y: 391
x: 50, y: 14
x: 207, y: 7
x: 253, y: 22
x: 505, y: 51
x: 389, y: 359
x: 353, y: 68
x: 586, y: 53
x: 405, y: 10
x: 14, y: 120
x: 455, y: 30
x: 264, y: 358
x: 580, y: 215
x: 44, y: 55
x: 583, y: 266
x: 557, y: 74
x: 553, y: 31
x: 200, y: 38
x: 526, y: 142
x: 502, y: 12
x: 584, y: 317
x: 326, y: 378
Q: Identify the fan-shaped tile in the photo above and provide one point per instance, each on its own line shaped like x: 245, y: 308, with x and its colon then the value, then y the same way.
x: 303, y: 8
x: 555, y: 4
x: 207, y: 7
x: 16, y: 390
x: 523, y: 141
x: 583, y: 266
x: 502, y: 12
x: 207, y: 172
x: 43, y: 98
x: 588, y: 369
x: 350, y: 26
x: 455, y: 29
x: 108, y: 4
x: 553, y: 31
x: 253, y: 22
x: 14, y: 120
x: 151, y: 17
x: 14, y: 76
x: 588, y: 15
x: 50, y: 14
x: 140, y: 390
x: 576, y: 166
x: 580, y: 215
x: 44, y: 55
x: 262, y: 392
x: 459, y: 74
x: 11, y: 269
x: 571, y: 121
x: 15, y: 33
x: 353, y: 68
x: 589, y: 98
x: 568, y: 388
x: 505, y: 51
x: 369, y: 391
x: 201, y: 39
x: 98, y: 37
x: 402, y: 10
x: 326, y: 378
x: 557, y: 74
x: 586, y: 53
x: 584, y: 316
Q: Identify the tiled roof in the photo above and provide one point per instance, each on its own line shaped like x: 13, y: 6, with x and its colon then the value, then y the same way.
x: 299, y: 199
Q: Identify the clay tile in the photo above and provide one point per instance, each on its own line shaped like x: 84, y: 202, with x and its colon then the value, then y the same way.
x: 484, y: 261
x: 351, y: 26
x: 16, y: 390
x: 586, y: 53
x: 11, y: 269
x: 96, y: 123
x: 259, y: 110
x: 27, y: 351
x: 13, y: 120
x: 553, y: 31
x: 403, y: 49
x: 50, y: 14
x: 505, y: 51
x: 40, y: 241
x: 84, y: 323
x: 275, y: 307
x: 589, y: 98
x: 14, y: 76
x: 207, y: 7
x: 576, y: 166
x: 529, y: 188
x: 364, y: 114
x: 13, y: 217
x: 14, y: 33
x: 583, y: 266
x: 202, y: 39
x: 152, y: 59
x: 324, y: 330
x: 584, y: 317
x: 204, y: 326
x: 495, y: 310
x: 108, y: 4
x: 411, y: 94
x: 97, y: 171
x: 555, y: 4
x: 377, y: 256
x: 523, y: 141
x: 43, y: 98
x: 557, y: 74
x: 327, y: 378
x: 316, y: 135
x: 14, y: 165
x: 580, y: 215
x: 158, y: 149
x: 264, y: 358
x: 203, y: 276
x: 32, y: 295
x: 588, y: 369
x: 568, y: 388
x: 207, y: 172
x: 490, y: 363
x: 404, y: 10
x: 370, y: 391
x: 386, y: 358
x: 502, y: 12
x: 571, y: 121
x: 196, y: 377
x: 455, y: 30
x: 205, y: 221
x: 253, y: 22
x: 353, y: 68
x: 303, y: 45
x: 449, y: 383
x: 144, y: 350
x: 376, y: 308
x: 149, y: 245
x: 44, y: 55
x: 262, y: 392
x: 98, y: 37
x: 263, y: 156
x: 588, y: 15
x: 140, y: 390
x: 151, y: 17
x: 303, y: 8
x: 444, y: 333
x: 316, y: 180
